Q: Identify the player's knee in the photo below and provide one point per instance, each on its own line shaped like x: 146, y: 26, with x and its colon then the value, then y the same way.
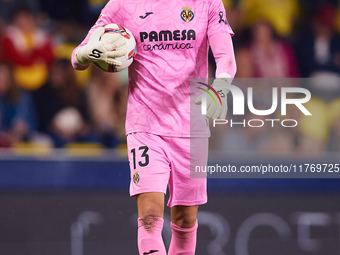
x: 185, y: 220
x: 150, y: 222
x: 153, y: 212
x: 184, y: 216
x: 150, y: 204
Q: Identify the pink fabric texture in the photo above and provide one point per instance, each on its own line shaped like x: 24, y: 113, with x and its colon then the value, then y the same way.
x: 172, y: 163
x: 223, y: 50
x: 183, y: 240
x: 172, y: 48
x: 150, y: 239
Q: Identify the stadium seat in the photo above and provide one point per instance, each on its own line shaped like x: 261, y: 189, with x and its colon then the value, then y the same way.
x: 85, y: 149
x: 32, y: 149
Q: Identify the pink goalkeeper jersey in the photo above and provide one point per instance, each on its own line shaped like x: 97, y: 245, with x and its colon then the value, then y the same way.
x: 172, y: 47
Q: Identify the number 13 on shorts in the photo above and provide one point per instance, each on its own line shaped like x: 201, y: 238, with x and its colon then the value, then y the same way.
x: 143, y: 151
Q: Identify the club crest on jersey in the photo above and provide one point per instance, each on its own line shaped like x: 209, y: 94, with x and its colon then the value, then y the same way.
x: 187, y: 14
x: 136, y: 177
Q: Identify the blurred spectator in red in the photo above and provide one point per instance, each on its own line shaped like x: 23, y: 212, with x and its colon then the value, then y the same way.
x: 28, y: 49
x: 269, y: 56
x: 18, y: 119
x: 62, y: 108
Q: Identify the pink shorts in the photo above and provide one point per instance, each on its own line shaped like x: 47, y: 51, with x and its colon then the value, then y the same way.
x: 158, y: 161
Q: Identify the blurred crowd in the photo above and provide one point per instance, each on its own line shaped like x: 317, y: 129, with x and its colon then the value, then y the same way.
x: 286, y: 39
x: 43, y: 100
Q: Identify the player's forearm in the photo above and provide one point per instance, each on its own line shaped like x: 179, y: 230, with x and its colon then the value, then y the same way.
x: 222, y: 48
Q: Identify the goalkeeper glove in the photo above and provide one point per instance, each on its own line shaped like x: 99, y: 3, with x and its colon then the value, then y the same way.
x: 217, y: 108
x: 104, y: 50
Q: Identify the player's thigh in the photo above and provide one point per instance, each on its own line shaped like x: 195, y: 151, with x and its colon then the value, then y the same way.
x: 149, y: 165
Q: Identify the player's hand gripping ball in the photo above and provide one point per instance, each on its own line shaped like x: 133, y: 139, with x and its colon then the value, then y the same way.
x: 111, y: 31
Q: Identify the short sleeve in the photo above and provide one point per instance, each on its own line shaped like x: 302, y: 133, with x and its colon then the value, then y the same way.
x: 217, y: 20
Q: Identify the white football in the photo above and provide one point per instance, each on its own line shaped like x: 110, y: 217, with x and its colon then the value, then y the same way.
x: 130, y: 47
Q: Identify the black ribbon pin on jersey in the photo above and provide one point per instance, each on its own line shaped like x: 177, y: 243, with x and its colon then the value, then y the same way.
x: 221, y: 18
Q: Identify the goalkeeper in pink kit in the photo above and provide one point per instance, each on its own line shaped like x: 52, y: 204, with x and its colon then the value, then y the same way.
x: 164, y: 141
